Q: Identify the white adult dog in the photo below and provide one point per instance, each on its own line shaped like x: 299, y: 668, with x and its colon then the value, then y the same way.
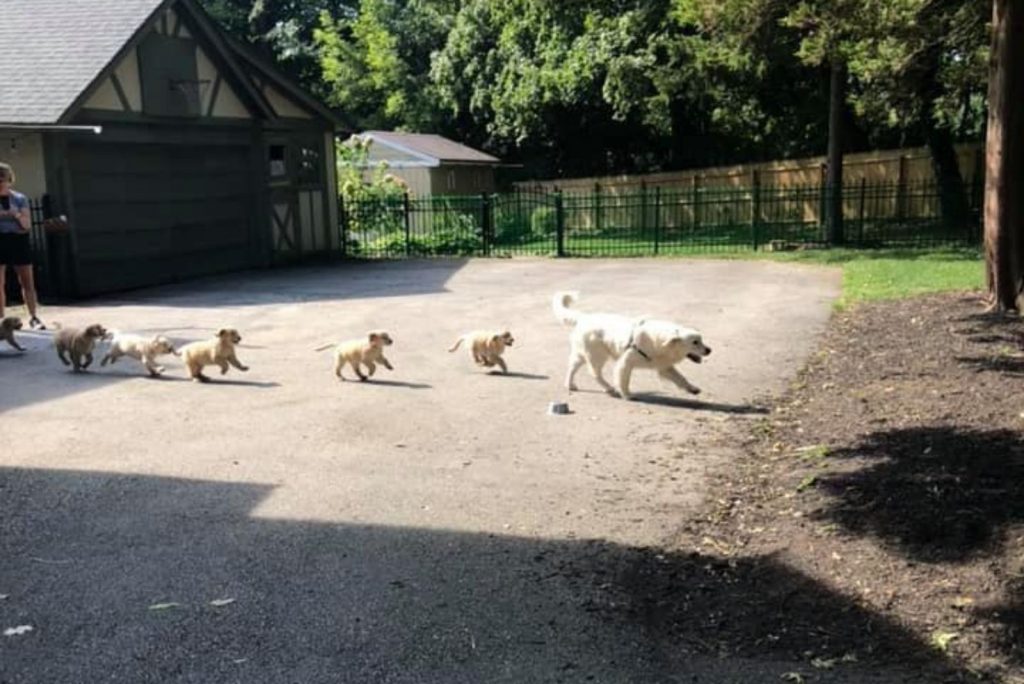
x: 633, y: 342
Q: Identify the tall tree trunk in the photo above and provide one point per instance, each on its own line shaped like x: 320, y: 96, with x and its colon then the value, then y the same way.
x: 1004, y: 157
x: 834, y: 181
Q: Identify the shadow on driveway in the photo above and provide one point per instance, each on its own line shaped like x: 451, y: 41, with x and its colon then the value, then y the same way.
x: 86, y: 554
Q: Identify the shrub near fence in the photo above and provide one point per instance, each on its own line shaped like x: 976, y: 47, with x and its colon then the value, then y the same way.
x: 650, y: 221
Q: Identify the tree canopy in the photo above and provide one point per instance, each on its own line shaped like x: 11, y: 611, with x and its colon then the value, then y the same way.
x: 659, y: 83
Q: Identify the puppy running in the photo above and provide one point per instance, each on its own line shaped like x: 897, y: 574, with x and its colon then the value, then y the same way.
x: 632, y: 343
x: 219, y: 351
x: 78, y: 344
x: 7, y: 328
x: 487, y: 347
x: 368, y: 351
x: 141, y: 349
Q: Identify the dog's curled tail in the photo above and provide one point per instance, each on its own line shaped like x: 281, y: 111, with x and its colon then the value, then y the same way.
x: 562, y: 306
x: 322, y: 348
x: 456, y: 345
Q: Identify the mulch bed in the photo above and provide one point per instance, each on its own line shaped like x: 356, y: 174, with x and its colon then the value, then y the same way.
x: 877, y: 514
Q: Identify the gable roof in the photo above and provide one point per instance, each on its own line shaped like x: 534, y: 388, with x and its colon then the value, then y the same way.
x: 432, y: 149
x: 56, y: 48
x: 49, y: 74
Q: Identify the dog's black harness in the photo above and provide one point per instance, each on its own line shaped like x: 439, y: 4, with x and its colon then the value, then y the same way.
x: 632, y: 345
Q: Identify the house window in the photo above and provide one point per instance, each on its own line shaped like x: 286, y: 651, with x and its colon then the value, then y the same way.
x: 276, y: 157
x: 451, y: 180
x: 309, y: 166
x: 478, y: 180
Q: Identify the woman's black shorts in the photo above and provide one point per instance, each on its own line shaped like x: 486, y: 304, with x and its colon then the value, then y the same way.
x: 15, y: 249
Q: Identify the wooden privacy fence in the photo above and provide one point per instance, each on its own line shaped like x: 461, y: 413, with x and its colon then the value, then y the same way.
x: 908, y: 166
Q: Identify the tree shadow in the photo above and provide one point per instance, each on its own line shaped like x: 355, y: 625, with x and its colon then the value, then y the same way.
x: 1009, y: 614
x: 87, y: 554
x: 935, y: 494
x: 1010, y: 365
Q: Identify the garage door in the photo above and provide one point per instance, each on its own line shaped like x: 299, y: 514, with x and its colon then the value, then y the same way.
x: 146, y: 214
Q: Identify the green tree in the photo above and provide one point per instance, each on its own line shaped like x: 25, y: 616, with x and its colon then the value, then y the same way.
x: 375, y: 64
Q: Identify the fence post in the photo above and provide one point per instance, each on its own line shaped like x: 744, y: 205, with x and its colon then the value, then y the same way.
x: 559, y: 224
x: 643, y: 207
x: 755, y: 206
x: 822, y: 200
x: 597, y: 209
x: 901, y: 189
x: 696, y: 203
x: 406, y: 210
x: 863, y: 197
x: 657, y: 218
x: 342, y: 225
x: 487, y: 222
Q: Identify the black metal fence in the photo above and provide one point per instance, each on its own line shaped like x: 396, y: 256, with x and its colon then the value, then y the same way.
x: 658, y: 221
x: 48, y: 241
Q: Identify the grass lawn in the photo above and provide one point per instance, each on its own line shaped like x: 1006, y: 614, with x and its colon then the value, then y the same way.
x: 867, y: 273
x: 893, y: 273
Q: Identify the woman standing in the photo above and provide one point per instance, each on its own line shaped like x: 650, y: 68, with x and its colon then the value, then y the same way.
x: 15, y: 222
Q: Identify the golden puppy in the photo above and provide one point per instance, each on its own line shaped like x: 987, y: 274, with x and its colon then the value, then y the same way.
x: 487, y: 347
x: 141, y: 349
x: 78, y: 344
x: 220, y: 351
x: 7, y: 328
x: 368, y: 352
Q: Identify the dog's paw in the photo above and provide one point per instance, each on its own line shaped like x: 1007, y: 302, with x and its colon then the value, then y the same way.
x: 694, y: 391
x: 243, y: 368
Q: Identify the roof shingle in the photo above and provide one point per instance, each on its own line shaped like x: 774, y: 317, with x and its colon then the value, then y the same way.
x: 55, y: 48
x: 435, y: 146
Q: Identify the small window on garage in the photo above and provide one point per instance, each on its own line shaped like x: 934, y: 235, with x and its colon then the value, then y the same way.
x: 451, y: 180
x: 310, y: 165
x: 276, y: 156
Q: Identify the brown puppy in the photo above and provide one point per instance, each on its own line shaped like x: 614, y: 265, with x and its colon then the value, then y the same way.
x: 368, y: 351
x: 78, y: 344
x: 220, y: 351
x: 487, y: 347
x: 7, y: 328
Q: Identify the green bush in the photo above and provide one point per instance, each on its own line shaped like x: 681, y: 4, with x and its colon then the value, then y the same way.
x: 439, y: 243
x: 511, y: 228
x: 543, y: 222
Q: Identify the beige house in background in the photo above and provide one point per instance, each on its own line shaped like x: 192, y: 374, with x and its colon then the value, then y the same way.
x: 431, y: 164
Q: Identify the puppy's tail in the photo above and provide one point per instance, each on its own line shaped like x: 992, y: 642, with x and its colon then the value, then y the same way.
x: 456, y: 345
x: 326, y: 346
x: 562, y: 306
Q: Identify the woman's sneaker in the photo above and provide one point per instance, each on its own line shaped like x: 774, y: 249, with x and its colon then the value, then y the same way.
x: 36, y: 324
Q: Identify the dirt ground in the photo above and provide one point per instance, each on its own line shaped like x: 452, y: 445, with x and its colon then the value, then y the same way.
x: 434, y: 525
x: 890, y: 474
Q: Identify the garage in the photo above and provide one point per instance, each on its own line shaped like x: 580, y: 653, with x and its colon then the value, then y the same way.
x: 155, y: 148
x: 150, y: 213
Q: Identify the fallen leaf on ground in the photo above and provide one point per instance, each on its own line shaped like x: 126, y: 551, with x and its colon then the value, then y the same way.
x: 793, y: 677
x: 941, y: 640
x: 18, y: 631
x: 164, y: 606
x: 222, y: 602
x: 4, y: 597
